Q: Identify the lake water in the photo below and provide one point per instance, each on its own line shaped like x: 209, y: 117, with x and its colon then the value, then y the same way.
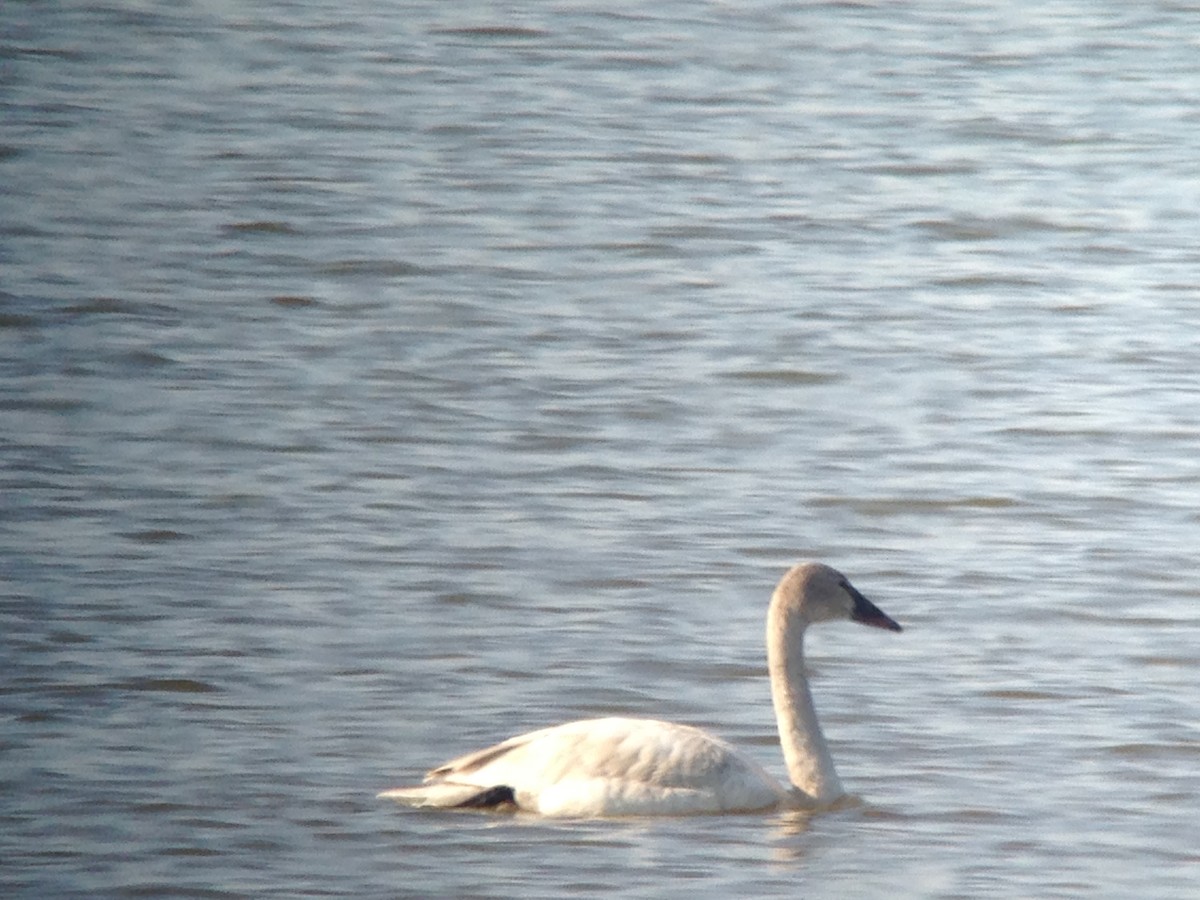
x: 380, y: 380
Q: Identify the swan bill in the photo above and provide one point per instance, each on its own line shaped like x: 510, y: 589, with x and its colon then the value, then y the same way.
x: 868, y: 613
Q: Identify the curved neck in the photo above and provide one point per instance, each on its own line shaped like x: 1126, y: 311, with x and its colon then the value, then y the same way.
x: 809, y: 764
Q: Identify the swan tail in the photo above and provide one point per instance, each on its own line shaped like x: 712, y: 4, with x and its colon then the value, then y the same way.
x: 448, y: 795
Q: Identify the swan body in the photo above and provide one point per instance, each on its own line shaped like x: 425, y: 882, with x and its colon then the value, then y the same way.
x: 603, y: 767
x: 626, y: 767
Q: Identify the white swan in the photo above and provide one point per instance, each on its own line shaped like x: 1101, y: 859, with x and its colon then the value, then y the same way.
x: 625, y: 767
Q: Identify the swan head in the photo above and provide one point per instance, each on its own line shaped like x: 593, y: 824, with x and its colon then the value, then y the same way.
x: 813, y: 592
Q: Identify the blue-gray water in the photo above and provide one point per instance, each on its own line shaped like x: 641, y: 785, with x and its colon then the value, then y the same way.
x: 383, y: 379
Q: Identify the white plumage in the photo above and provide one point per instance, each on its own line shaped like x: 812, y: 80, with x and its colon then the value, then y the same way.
x: 625, y: 766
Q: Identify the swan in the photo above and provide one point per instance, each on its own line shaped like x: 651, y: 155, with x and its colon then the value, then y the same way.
x: 627, y: 767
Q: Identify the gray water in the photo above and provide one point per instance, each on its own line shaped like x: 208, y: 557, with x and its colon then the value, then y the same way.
x: 380, y: 380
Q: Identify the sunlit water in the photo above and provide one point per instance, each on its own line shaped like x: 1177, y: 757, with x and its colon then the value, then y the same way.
x: 382, y: 380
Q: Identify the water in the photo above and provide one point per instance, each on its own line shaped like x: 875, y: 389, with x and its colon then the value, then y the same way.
x: 380, y: 381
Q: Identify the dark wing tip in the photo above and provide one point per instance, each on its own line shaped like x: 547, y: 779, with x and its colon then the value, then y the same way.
x: 488, y: 798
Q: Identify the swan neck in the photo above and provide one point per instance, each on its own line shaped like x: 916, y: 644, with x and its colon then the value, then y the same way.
x: 809, y: 763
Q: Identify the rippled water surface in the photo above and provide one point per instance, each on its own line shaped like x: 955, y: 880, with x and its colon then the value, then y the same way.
x: 380, y: 380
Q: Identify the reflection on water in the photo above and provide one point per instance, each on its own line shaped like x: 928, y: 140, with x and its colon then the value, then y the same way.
x: 789, y: 844
x: 379, y: 384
